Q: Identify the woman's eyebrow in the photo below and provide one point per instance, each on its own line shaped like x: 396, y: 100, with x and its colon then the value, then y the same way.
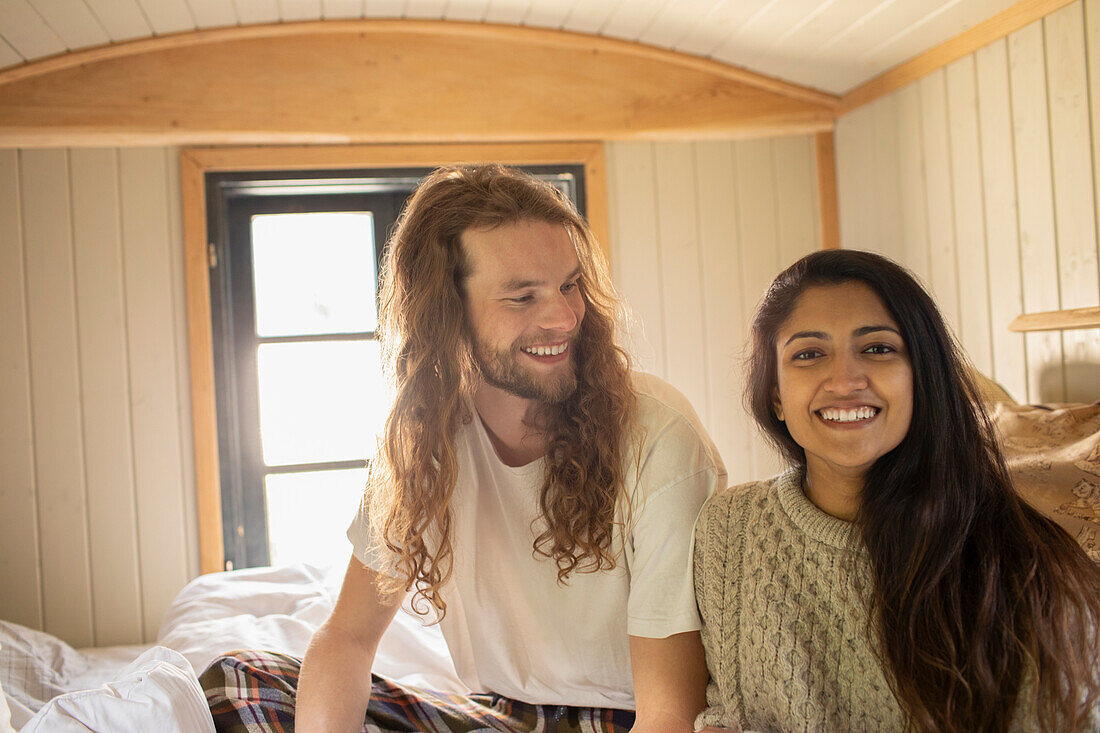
x: 808, y: 335
x: 864, y: 330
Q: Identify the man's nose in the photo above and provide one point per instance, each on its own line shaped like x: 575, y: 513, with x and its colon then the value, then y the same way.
x: 558, y: 314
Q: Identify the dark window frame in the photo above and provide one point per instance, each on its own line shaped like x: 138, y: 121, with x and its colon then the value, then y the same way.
x: 231, y: 199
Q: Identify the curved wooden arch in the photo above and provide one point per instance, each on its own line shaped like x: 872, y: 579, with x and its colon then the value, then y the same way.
x: 390, y: 81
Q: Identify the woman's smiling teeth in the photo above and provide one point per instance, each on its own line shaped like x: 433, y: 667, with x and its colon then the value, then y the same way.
x: 552, y: 350
x: 851, y: 414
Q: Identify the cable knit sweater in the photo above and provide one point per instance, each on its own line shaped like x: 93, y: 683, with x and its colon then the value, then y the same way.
x: 784, y: 629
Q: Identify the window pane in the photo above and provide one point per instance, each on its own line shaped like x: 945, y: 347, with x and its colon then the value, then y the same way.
x: 320, y: 401
x: 314, y: 273
x: 308, y: 515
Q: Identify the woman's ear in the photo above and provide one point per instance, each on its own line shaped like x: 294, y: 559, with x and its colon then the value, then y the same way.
x: 777, y: 406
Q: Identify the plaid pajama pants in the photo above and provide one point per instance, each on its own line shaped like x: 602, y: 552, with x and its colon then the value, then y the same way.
x: 253, y: 692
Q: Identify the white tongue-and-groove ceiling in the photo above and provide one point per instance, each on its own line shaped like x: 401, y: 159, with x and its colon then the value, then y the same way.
x: 829, y: 45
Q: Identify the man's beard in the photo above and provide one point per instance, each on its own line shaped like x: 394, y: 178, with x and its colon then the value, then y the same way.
x: 501, y: 369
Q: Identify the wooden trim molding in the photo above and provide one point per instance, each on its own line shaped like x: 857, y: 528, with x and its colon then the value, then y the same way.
x: 195, y: 163
x: 825, y: 149
x: 1008, y: 21
x: 1057, y: 320
x: 385, y: 81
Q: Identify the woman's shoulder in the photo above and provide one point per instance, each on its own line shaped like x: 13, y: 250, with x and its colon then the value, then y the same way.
x: 728, y: 501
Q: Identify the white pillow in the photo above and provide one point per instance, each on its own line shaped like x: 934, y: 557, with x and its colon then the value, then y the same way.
x: 158, y: 691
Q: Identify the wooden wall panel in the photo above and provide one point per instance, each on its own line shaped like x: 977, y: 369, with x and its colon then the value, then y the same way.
x: 1035, y: 197
x: 20, y: 557
x: 105, y: 385
x: 174, y: 204
x: 154, y: 398
x: 996, y: 156
x: 1002, y: 244
x: 678, y: 240
x: 726, y: 322
x: 97, y: 531
x: 944, y: 280
x: 912, y: 192
x: 972, y: 273
x: 698, y: 232
x: 632, y: 208
x: 103, y: 487
x: 55, y: 397
x: 1075, y: 215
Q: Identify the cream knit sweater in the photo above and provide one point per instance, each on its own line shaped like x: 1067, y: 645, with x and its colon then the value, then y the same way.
x: 784, y: 629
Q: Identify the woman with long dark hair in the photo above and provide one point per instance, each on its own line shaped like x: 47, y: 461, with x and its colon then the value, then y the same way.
x: 891, y: 579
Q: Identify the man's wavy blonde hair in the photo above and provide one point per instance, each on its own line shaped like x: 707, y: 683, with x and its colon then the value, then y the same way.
x: 428, y: 359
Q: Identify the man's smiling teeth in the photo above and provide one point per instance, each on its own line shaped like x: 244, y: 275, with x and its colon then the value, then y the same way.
x: 546, y: 350
x: 833, y: 414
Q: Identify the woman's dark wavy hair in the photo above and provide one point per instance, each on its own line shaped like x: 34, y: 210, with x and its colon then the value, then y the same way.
x: 428, y: 360
x: 975, y: 598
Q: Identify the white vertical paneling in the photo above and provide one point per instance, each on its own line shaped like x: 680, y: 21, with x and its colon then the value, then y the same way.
x: 1035, y: 200
x: 101, y: 308
x: 700, y: 230
x: 726, y: 321
x: 911, y: 185
x: 855, y: 178
x: 1075, y: 216
x: 1008, y: 147
x: 795, y: 176
x: 678, y: 239
x: 20, y: 559
x: 759, y: 239
x: 966, y: 186
x: 938, y: 190
x: 886, y: 179
x: 1092, y: 39
x: 1002, y: 234
x: 183, y: 362
x: 146, y: 245
x: 632, y: 203
x: 55, y: 396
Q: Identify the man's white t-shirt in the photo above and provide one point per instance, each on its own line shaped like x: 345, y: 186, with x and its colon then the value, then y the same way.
x: 510, y: 626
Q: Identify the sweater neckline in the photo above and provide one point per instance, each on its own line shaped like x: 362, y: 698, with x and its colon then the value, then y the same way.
x: 808, y: 517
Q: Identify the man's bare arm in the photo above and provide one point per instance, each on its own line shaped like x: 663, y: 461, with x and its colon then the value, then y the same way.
x: 334, y: 685
x: 670, y: 680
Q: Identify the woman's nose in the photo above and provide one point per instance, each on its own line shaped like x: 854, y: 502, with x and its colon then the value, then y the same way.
x: 847, y: 375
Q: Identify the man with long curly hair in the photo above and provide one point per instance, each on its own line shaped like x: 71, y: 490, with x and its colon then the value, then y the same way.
x: 530, y: 493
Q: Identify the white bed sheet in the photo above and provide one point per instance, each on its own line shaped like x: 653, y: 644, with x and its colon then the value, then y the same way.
x: 276, y: 609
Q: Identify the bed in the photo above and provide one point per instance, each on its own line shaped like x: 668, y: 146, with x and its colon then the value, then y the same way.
x: 1053, y: 453
x: 49, y: 686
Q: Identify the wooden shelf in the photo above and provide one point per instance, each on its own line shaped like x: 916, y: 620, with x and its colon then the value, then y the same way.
x: 1057, y: 320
